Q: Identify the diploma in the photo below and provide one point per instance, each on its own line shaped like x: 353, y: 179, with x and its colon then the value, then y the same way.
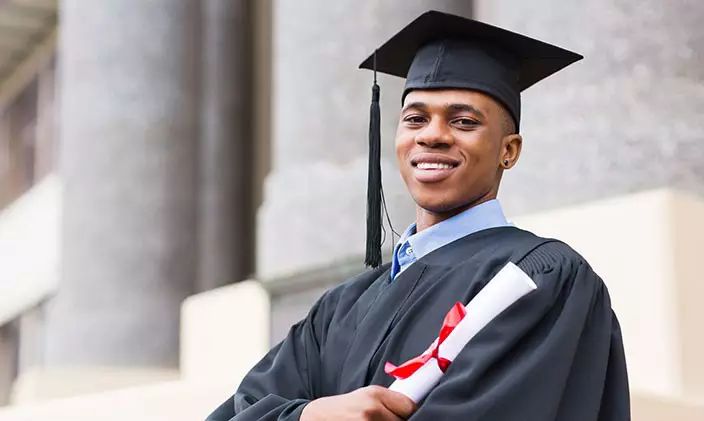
x: 504, y: 289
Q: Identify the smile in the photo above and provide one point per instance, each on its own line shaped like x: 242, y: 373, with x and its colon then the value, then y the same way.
x: 433, y: 168
x: 433, y: 161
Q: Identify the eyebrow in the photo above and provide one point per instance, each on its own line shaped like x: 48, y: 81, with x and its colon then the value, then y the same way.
x: 454, y: 107
x: 466, y: 107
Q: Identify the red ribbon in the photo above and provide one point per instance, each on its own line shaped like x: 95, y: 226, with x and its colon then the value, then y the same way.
x: 405, y: 370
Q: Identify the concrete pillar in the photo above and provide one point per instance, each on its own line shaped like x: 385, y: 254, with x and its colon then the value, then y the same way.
x: 45, y: 143
x: 314, y: 207
x: 627, y: 118
x: 129, y: 108
x: 226, y: 251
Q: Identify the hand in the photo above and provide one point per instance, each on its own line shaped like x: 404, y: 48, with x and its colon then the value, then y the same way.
x: 372, y: 403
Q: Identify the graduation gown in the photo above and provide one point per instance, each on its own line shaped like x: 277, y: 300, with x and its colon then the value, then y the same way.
x: 556, y: 354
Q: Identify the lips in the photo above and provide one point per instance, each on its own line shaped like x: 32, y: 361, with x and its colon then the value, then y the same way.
x: 433, y: 158
x: 432, y: 168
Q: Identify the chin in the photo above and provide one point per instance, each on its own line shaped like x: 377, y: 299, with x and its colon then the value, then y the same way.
x: 437, y: 204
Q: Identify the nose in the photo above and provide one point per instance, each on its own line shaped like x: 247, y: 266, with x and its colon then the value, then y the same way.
x: 435, y: 135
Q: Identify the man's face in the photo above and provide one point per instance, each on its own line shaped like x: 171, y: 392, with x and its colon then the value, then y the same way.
x: 450, y: 145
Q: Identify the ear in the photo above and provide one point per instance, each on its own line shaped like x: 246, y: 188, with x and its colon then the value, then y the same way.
x: 511, y: 146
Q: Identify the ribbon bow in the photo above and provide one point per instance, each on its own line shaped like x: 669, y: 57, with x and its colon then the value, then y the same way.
x: 405, y: 370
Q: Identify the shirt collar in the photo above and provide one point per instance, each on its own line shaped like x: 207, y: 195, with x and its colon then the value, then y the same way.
x: 483, y: 216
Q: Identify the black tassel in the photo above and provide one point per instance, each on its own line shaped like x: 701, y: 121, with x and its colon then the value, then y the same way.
x: 373, y: 254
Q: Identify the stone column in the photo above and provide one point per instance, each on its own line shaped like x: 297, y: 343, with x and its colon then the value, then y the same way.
x: 129, y: 110
x: 45, y: 143
x: 226, y: 150
x: 315, y: 195
x: 314, y: 210
x: 627, y: 118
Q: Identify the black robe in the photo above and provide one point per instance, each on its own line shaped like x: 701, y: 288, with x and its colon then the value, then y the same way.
x: 556, y: 354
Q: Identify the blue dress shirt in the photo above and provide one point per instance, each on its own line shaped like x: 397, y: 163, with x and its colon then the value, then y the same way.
x: 414, y: 245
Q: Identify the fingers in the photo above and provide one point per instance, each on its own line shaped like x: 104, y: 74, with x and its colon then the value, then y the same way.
x: 373, y: 403
x: 396, y: 402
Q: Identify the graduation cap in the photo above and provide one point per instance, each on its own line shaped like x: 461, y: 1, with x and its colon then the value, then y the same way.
x: 443, y: 51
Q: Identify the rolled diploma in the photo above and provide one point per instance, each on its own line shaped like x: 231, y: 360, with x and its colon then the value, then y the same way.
x: 504, y: 289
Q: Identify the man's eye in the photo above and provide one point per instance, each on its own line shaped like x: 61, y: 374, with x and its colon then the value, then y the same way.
x: 465, y: 122
x: 414, y: 119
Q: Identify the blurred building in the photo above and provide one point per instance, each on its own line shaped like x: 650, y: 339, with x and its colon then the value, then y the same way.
x: 155, y: 150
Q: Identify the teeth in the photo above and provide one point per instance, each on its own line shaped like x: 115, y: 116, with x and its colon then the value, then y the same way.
x: 433, y: 166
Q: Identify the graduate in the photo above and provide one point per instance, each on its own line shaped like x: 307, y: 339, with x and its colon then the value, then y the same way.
x: 555, y: 354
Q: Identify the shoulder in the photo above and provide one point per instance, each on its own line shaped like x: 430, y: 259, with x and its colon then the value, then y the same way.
x: 534, y: 253
x: 359, y: 283
x: 550, y: 254
x: 348, y: 292
x: 564, y: 276
x: 554, y: 261
x: 339, y: 300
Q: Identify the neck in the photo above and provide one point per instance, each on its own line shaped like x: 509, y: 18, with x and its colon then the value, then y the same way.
x: 426, y: 218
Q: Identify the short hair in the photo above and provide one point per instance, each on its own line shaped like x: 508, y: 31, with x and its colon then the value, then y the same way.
x: 508, y: 126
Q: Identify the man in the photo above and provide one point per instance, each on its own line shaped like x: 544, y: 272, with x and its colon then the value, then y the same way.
x: 556, y: 354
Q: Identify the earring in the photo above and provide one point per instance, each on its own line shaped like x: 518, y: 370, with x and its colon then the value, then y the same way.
x: 505, y: 162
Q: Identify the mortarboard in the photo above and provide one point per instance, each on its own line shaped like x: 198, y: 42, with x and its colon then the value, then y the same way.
x: 443, y: 51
